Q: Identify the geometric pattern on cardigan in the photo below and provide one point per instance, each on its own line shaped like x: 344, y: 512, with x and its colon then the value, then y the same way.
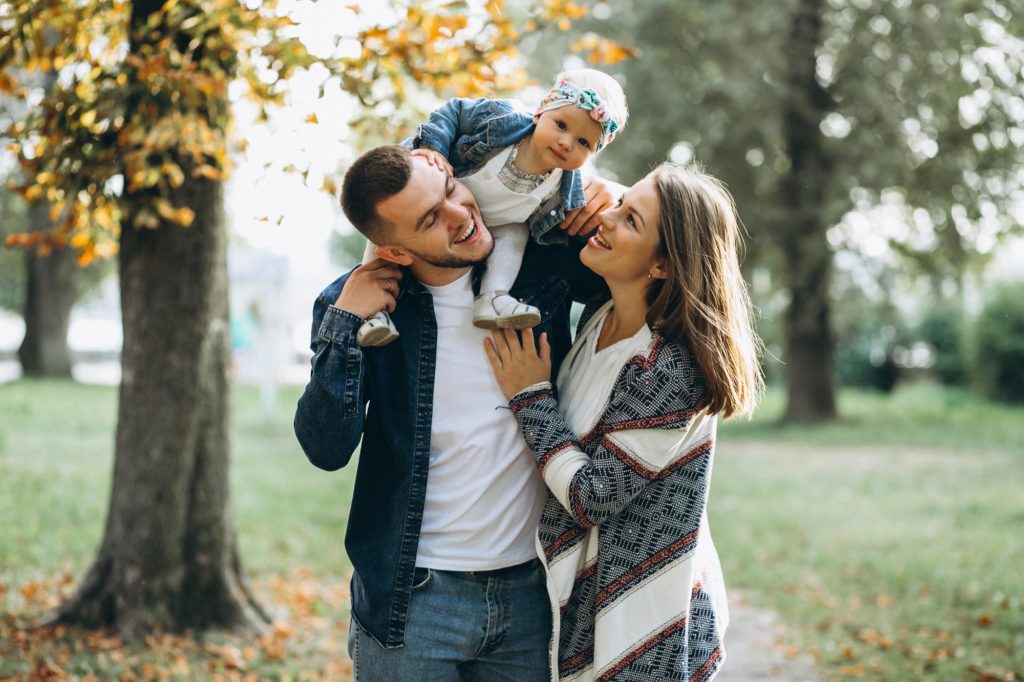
x: 647, y: 502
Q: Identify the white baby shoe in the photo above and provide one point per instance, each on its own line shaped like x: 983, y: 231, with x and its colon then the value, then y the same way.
x: 378, y: 330
x: 497, y: 309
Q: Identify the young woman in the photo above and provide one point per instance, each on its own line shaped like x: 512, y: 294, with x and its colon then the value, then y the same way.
x: 626, y: 446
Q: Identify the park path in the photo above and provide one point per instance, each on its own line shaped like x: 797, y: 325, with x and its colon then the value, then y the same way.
x: 755, y: 647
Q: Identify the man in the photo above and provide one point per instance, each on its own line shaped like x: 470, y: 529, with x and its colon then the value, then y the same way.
x: 446, y: 500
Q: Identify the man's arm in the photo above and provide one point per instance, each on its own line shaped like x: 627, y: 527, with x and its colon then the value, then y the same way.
x: 329, y: 416
x: 600, y: 194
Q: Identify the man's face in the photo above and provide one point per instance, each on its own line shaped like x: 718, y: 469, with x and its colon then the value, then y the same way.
x: 436, y: 221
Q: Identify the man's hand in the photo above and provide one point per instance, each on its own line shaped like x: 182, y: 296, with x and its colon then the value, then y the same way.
x: 370, y: 288
x: 518, y: 363
x: 600, y: 195
x: 434, y: 158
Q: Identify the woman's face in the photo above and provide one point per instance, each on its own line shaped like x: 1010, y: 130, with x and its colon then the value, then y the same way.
x: 625, y: 246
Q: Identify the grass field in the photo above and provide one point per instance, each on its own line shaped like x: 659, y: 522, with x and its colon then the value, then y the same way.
x: 892, y: 542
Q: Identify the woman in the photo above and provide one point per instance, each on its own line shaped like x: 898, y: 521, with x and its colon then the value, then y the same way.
x: 624, y: 535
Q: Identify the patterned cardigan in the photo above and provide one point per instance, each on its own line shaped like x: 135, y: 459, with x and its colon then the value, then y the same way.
x: 624, y: 534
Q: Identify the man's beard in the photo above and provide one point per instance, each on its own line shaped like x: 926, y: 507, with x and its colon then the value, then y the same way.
x: 453, y: 262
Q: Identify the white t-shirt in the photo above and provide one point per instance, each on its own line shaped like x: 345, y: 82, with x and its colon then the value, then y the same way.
x: 587, y: 376
x: 484, y: 496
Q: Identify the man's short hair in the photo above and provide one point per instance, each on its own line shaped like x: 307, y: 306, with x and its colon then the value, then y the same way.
x: 375, y: 176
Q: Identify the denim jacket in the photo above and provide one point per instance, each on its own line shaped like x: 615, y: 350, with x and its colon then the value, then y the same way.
x: 384, y: 396
x: 471, y: 131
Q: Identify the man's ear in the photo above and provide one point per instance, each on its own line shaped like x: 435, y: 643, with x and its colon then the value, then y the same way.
x: 394, y: 254
x: 536, y: 117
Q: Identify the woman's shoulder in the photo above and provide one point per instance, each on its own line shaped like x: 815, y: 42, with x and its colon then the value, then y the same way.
x: 663, y: 380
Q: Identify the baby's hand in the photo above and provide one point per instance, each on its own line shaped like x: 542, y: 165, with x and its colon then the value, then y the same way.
x: 434, y: 158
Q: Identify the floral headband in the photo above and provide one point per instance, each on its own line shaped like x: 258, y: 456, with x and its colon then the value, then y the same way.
x: 565, y: 93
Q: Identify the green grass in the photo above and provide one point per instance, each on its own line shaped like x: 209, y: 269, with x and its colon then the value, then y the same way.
x: 56, y: 460
x: 891, y: 541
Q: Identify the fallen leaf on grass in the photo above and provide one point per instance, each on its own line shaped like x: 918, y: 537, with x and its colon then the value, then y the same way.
x: 231, y: 657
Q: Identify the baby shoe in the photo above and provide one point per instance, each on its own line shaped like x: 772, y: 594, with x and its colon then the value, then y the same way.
x: 497, y: 309
x: 378, y: 330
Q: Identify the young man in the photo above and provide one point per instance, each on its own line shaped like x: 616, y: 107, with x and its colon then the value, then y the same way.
x: 446, y: 500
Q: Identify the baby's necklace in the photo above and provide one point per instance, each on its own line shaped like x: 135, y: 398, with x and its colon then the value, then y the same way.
x: 527, y: 174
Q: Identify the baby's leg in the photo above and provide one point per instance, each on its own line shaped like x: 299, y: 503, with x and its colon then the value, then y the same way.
x: 507, y: 257
x: 494, y: 307
x: 379, y: 329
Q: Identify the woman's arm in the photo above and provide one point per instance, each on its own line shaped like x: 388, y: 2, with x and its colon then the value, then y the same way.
x: 597, y: 476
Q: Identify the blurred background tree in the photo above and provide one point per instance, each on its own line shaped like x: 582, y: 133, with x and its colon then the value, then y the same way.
x: 41, y: 285
x: 818, y: 113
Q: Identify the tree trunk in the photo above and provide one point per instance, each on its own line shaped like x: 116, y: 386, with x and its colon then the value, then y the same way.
x: 49, y: 296
x: 810, y: 348
x: 169, y: 557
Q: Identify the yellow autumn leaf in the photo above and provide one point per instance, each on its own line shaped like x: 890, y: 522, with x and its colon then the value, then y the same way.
x: 206, y: 171
x: 8, y: 83
x: 174, y: 173
x: 104, y: 216
x: 86, y: 256
x: 184, y: 216
x: 312, y: 118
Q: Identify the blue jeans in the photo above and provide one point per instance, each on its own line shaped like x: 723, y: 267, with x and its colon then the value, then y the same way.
x: 487, y: 626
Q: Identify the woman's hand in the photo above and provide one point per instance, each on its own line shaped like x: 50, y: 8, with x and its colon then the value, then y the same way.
x: 518, y: 363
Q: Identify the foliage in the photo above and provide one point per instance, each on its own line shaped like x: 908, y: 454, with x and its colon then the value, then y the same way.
x: 924, y: 111
x: 347, y: 249
x: 119, y: 133
x: 865, y: 353
x: 996, y: 345
x: 943, y: 330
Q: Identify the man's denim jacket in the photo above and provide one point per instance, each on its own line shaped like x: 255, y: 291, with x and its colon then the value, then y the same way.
x: 471, y: 131
x: 397, y: 382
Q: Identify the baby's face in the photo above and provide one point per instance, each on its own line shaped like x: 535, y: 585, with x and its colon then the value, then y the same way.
x: 565, y: 137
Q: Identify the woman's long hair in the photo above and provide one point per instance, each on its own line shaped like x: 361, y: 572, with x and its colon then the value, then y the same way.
x: 704, y: 300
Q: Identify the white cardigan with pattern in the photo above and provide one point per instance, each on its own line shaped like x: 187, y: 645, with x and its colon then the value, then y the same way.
x: 624, y: 533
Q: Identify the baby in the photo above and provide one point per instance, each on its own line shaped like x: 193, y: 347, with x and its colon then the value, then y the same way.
x: 524, y: 173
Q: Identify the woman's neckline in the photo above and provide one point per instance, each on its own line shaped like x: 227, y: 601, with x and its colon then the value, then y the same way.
x: 601, y: 344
